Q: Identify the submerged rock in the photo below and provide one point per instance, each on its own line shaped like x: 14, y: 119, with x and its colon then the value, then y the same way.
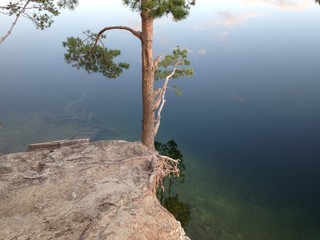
x: 97, y: 190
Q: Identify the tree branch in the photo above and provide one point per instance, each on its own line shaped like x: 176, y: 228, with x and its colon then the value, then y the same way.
x: 14, y: 22
x: 161, y: 99
x: 160, y: 92
x: 134, y: 32
x: 156, y: 92
x: 156, y: 61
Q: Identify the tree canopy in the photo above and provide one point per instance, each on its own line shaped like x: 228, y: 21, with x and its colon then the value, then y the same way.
x: 99, y: 59
x: 178, y: 9
x: 39, y: 12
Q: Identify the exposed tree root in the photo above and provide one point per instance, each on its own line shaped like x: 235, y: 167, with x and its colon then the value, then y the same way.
x: 162, y: 166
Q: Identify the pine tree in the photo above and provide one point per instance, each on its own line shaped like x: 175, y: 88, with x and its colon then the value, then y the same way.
x: 93, y: 57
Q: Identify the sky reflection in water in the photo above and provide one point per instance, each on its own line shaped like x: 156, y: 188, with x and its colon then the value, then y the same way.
x: 247, y: 123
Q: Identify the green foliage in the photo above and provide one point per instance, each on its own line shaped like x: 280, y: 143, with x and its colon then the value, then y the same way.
x: 98, y: 59
x: 70, y: 4
x: 177, y: 62
x: 40, y: 12
x: 178, y: 90
x: 178, y: 9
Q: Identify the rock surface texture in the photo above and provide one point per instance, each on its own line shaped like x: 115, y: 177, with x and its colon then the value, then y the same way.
x: 99, y: 190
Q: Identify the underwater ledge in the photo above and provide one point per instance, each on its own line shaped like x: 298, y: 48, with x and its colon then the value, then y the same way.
x: 89, y: 190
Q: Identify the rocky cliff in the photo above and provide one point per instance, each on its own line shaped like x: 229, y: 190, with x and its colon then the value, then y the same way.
x: 97, y: 190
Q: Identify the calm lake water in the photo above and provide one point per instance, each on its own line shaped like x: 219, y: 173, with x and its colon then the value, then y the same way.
x: 247, y: 122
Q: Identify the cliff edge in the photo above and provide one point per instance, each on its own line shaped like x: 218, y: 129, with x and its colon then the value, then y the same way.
x: 97, y: 190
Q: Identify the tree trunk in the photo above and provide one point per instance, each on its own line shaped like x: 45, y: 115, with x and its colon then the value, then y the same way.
x: 147, y: 79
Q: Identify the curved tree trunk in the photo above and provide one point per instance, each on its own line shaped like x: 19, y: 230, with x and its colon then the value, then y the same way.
x: 147, y: 79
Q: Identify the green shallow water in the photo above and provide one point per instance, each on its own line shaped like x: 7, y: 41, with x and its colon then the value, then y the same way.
x: 223, y: 208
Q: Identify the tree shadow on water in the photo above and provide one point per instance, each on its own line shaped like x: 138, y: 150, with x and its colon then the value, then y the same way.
x: 168, y: 198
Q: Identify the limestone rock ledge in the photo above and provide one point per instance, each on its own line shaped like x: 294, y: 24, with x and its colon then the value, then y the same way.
x: 98, y: 190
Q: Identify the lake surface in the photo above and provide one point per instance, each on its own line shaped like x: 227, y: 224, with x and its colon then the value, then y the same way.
x: 247, y: 122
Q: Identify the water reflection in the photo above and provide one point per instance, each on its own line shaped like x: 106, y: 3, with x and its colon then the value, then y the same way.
x: 168, y: 198
x: 179, y: 209
x: 73, y: 120
x: 253, y: 172
x: 76, y: 112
